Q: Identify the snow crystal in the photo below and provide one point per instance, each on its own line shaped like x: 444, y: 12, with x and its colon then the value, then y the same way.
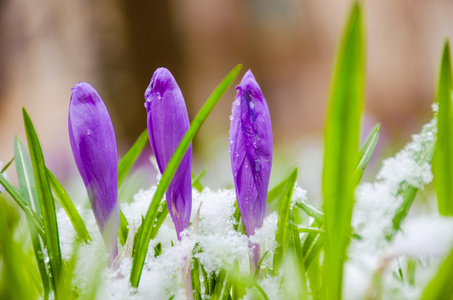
x: 299, y: 195
x: 221, y: 245
x: 265, y: 236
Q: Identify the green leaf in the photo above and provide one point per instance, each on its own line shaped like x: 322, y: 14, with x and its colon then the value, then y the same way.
x: 314, y: 250
x: 274, y: 195
x: 147, y: 226
x: 24, y: 171
x: 28, y: 191
x: 195, y: 275
x: 7, y: 166
x: 311, y: 210
x: 254, y: 284
x: 366, y: 151
x: 408, y: 192
x: 46, y: 201
x: 196, y: 182
x: 282, y: 225
x: 440, y: 286
x: 68, y: 206
x: 131, y: 156
x: 19, y: 277
x: 123, y: 230
x: 29, y: 213
x: 340, y: 154
x: 444, y: 145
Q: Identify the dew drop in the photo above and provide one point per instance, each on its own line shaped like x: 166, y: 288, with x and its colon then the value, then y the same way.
x: 89, y: 132
x: 257, y: 165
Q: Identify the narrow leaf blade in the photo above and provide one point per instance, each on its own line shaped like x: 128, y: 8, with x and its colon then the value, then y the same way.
x: 46, y: 200
x: 68, y: 206
x: 340, y: 155
x: 131, y: 156
x: 28, y: 191
x: 366, y: 151
x: 444, y: 146
x: 283, y: 217
x: 29, y: 213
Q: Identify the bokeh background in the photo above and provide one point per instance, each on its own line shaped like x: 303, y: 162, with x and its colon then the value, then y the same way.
x: 46, y: 46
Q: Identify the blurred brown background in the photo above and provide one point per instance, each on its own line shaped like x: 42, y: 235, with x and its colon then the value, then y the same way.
x: 46, y: 46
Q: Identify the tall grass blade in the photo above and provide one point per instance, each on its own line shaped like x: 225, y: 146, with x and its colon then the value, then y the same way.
x: 46, y: 201
x: 196, y: 181
x: 131, y: 156
x: 341, y: 146
x: 311, y: 210
x: 68, y: 206
x: 32, y: 217
x: 366, y: 151
x: 282, y: 225
x: 18, y: 277
x: 145, y: 236
x: 6, y: 166
x: 440, y: 286
x: 28, y: 191
x: 443, y: 170
x: 123, y: 231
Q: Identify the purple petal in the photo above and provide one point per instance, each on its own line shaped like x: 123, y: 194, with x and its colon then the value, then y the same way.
x: 94, y: 147
x: 168, y: 122
x: 251, y: 152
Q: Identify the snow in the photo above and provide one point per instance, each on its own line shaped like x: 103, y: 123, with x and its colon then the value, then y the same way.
x: 217, y: 245
x: 422, y: 236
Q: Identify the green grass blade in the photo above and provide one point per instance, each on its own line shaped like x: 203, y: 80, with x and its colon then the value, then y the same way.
x: 408, y: 192
x: 123, y: 230
x: 28, y: 191
x: 341, y: 145
x: 18, y: 277
x: 29, y: 213
x: 254, y: 284
x: 313, y: 252
x: 24, y: 172
x: 444, y: 145
x: 196, y: 181
x: 195, y: 275
x: 46, y: 201
x: 366, y: 151
x: 145, y: 236
x: 68, y: 206
x: 7, y: 166
x: 311, y: 210
x: 131, y: 156
x: 440, y: 286
x: 274, y: 195
x: 282, y: 225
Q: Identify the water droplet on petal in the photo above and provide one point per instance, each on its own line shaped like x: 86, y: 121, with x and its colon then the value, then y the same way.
x: 257, y: 165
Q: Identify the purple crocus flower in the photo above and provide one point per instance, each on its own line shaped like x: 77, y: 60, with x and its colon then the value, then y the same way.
x: 94, y: 147
x: 168, y: 122
x: 251, y: 154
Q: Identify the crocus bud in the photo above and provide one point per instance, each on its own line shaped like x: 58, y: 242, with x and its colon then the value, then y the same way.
x: 94, y: 147
x: 168, y: 122
x: 251, y: 154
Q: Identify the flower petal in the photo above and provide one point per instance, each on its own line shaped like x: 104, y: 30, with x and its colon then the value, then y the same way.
x: 168, y: 122
x: 94, y: 147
